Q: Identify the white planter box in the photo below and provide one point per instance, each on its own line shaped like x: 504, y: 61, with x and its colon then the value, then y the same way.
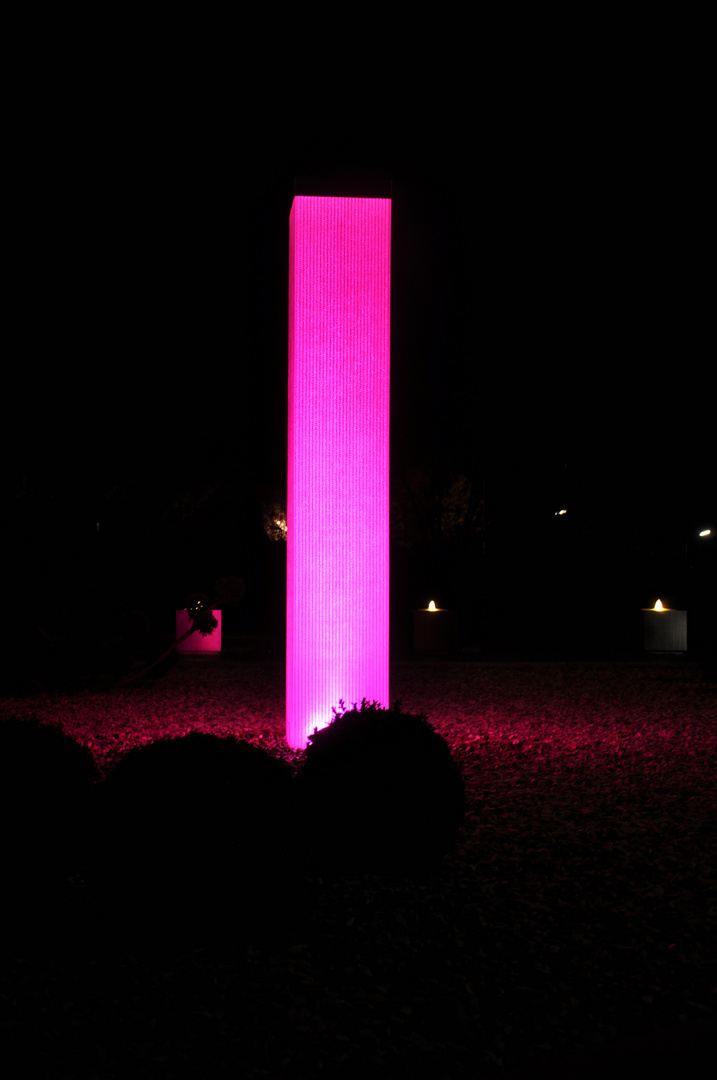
x: 666, y: 631
x: 196, y: 642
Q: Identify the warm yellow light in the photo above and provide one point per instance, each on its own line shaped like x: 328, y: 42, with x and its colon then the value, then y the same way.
x: 432, y: 606
x: 704, y: 532
x: 658, y: 606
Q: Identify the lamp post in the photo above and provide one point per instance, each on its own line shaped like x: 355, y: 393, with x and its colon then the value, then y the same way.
x: 700, y: 552
x: 705, y: 533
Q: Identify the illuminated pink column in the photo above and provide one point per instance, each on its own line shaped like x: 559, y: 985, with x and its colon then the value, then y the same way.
x: 338, y: 493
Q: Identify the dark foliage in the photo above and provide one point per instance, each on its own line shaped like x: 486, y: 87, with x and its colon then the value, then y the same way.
x: 195, y: 837
x: 199, y: 607
x: 75, y: 648
x: 577, y: 909
x: 46, y: 784
x: 395, y: 794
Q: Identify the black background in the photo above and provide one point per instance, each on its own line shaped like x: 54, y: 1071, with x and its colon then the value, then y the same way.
x: 551, y: 318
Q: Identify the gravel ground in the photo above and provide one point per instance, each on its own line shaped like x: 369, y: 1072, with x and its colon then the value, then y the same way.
x: 580, y: 907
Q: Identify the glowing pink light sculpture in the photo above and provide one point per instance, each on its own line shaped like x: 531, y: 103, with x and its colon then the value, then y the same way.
x: 338, y: 458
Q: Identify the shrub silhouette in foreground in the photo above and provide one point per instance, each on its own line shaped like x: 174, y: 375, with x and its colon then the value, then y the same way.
x: 380, y: 790
x: 46, y: 786
x: 196, y: 834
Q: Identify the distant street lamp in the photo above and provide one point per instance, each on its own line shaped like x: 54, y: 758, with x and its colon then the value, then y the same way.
x: 701, y: 534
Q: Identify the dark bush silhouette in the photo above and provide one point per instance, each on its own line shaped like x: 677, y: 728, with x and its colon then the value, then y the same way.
x: 46, y: 787
x: 381, y: 791
x: 196, y: 837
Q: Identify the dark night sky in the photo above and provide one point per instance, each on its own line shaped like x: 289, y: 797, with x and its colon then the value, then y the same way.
x: 550, y: 305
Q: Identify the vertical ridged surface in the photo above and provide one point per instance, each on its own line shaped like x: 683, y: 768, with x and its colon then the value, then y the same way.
x: 665, y: 631
x: 338, y: 458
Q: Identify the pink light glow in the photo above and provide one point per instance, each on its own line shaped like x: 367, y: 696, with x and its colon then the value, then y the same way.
x: 338, y: 495
x: 196, y: 642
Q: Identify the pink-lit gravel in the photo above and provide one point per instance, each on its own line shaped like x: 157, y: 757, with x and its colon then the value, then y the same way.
x: 648, y: 714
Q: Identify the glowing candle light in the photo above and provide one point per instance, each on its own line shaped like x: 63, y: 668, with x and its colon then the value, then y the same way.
x: 665, y: 629
x: 338, y: 458
x: 432, y: 631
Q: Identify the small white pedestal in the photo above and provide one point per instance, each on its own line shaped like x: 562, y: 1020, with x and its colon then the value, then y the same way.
x: 196, y: 642
x: 665, y: 630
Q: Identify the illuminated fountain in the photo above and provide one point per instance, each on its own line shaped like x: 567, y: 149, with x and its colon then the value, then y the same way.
x: 337, y: 535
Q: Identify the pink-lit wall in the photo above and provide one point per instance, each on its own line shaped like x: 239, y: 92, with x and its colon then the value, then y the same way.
x: 196, y: 642
x: 338, y: 447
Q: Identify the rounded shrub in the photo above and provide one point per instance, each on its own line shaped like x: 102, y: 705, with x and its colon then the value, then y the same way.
x: 46, y: 788
x: 196, y: 835
x: 380, y: 790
